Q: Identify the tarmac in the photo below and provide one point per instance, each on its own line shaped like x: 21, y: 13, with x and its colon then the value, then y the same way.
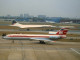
x: 33, y: 50
x: 69, y: 32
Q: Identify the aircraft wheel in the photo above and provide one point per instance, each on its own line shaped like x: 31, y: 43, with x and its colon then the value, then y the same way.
x: 12, y: 41
x: 42, y: 42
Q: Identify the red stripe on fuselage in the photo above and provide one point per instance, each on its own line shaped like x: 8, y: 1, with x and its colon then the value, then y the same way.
x: 31, y: 36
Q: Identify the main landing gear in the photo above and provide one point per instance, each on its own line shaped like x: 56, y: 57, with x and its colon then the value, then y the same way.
x: 42, y: 42
x: 12, y: 41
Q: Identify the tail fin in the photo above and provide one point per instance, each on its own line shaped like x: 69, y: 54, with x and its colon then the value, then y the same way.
x: 62, y: 31
x: 14, y: 22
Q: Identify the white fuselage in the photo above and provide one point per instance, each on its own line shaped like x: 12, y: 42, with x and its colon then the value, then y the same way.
x: 29, y: 36
x: 29, y: 26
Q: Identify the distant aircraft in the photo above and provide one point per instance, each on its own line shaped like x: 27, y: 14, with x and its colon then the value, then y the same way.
x: 42, y: 38
x: 66, y: 26
x: 50, y: 22
x: 14, y: 23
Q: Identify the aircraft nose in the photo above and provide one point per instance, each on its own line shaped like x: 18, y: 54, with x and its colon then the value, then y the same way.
x: 3, y: 35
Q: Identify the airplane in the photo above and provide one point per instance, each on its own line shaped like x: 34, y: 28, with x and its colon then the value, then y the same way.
x: 14, y: 23
x: 42, y: 38
x: 50, y: 22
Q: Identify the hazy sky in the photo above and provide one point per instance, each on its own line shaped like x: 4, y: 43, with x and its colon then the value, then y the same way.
x: 52, y: 8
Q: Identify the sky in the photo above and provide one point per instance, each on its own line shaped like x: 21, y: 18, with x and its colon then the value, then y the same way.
x: 51, y: 8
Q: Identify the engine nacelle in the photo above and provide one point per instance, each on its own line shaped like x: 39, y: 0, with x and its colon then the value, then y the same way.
x: 54, y: 37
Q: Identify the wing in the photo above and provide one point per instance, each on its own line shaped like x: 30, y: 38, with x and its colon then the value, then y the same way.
x: 41, y: 39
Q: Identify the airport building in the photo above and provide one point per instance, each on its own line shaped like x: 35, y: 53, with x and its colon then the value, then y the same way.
x: 41, y: 16
x: 24, y: 19
x: 26, y: 16
x: 3, y: 20
x: 21, y: 15
x: 70, y: 21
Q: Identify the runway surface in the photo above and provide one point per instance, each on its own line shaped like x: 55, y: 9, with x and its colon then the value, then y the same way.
x: 69, y: 32
x: 32, y: 50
